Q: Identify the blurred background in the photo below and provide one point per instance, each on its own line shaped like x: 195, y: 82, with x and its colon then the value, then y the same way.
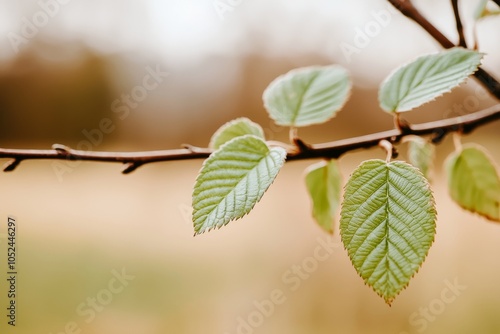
x: 164, y: 73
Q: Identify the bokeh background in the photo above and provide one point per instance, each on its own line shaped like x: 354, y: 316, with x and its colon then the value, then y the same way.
x: 77, y: 226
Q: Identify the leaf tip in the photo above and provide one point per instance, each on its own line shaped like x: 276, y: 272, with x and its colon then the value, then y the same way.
x: 427, y: 78
x: 361, y: 216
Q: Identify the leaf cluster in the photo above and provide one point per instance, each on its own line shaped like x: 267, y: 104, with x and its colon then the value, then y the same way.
x: 387, y: 209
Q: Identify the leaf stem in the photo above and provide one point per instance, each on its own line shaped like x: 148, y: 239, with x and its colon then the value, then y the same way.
x: 457, y: 141
x: 388, y: 148
x: 293, y: 134
x: 299, y: 144
x: 400, y: 124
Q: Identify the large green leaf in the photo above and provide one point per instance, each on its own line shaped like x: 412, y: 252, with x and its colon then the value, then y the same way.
x: 307, y: 96
x: 421, y: 154
x: 473, y: 182
x: 427, y: 78
x: 235, y: 128
x: 387, y: 225
x: 232, y: 180
x: 324, y: 183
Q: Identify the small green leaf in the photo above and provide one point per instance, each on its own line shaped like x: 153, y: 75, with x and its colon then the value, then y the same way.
x: 387, y: 224
x: 480, y: 9
x: 324, y: 183
x: 483, y: 11
x: 232, y: 180
x: 427, y: 78
x: 306, y: 96
x: 421, y: 154
x: 473, y: 182
x: 236, y: 128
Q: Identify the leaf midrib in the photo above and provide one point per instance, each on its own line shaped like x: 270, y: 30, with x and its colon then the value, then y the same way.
x: 301, y: 97
x: 232, y: 191
x: 386, y: 227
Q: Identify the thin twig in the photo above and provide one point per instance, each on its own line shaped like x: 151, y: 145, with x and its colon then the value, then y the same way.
x: 406, y: 8
x: 332, y: 150
x: 460, y: 27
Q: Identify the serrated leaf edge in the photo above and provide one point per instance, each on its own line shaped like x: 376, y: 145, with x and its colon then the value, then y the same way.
x: 389, y: 301
x: 215, y: 227
x: 393, y: 72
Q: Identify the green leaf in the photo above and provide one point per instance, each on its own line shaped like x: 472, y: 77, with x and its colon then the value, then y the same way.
x: 480, y: 9
x: 306, y: 96
x: 473, y: 182
x: 232, y: 180
x: 483, y: 11
x: 324, y: 183
x: 421, y: 154
x: 387, y: 225
x: 427, y: 78
x: 236, y: 128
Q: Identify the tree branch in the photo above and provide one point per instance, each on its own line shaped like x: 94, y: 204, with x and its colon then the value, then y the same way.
x: 460, y: 27
x: 133, y: 160
x: 406, y: 8
x: 301, y: 150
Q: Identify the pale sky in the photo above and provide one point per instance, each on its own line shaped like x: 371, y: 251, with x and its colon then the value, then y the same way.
x: 187, y: 31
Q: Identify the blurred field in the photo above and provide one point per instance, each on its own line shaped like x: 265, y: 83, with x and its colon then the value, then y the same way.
x: 76, y: 231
